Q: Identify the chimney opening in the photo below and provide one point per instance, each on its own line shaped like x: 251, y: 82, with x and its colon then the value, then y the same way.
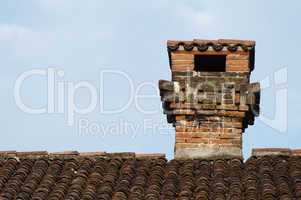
x: 210, y: 63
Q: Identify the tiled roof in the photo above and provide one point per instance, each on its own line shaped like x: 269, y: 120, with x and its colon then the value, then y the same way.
x: 217, y: 45
x: 72, y: 175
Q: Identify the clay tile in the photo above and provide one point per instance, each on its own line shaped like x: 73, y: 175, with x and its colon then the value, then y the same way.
x: 234, y: 42
x: 200, y: 41
x: 120, y: 177
x: 203, y: 45
x: 271, y: 152
x: 172, y: 42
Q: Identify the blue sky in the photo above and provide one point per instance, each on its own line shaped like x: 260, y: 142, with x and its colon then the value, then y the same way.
x: 83, y: 38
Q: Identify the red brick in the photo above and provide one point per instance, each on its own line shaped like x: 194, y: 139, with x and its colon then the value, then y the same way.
x: 237, y: 57
x: 182, y: 67
x: 179, y: 56
x: 198, y: 140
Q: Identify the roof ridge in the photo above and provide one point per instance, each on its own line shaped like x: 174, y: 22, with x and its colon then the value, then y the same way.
x: 38, y: 154
x: 276, y: 151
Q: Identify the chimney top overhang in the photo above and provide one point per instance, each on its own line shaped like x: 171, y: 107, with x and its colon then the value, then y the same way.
x: 219, y: 46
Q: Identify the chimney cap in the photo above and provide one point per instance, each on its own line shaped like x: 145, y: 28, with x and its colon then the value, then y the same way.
x: 217, y: 45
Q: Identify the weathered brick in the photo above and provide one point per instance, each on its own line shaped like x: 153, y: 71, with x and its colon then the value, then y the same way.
x: 236, y: 68
x: 232, y: 124
x: 184, y: 56
x: 182, y: 67
x: 231, y: 114
x: 237, y: 57
x: 182, y: 62
x: 180, y: 117
x: 202, y: 140
x: 187, y: 145
x: 230, y: 136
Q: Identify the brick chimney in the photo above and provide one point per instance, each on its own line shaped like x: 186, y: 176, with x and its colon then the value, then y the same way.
x: 210, y: 100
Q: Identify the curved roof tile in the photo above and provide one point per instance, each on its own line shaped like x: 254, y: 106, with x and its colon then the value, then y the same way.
x: 216, y: 45
x: 109, y: 177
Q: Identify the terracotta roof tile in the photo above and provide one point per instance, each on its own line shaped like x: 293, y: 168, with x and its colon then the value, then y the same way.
x: 131, y: 177
x: 217, y: 45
